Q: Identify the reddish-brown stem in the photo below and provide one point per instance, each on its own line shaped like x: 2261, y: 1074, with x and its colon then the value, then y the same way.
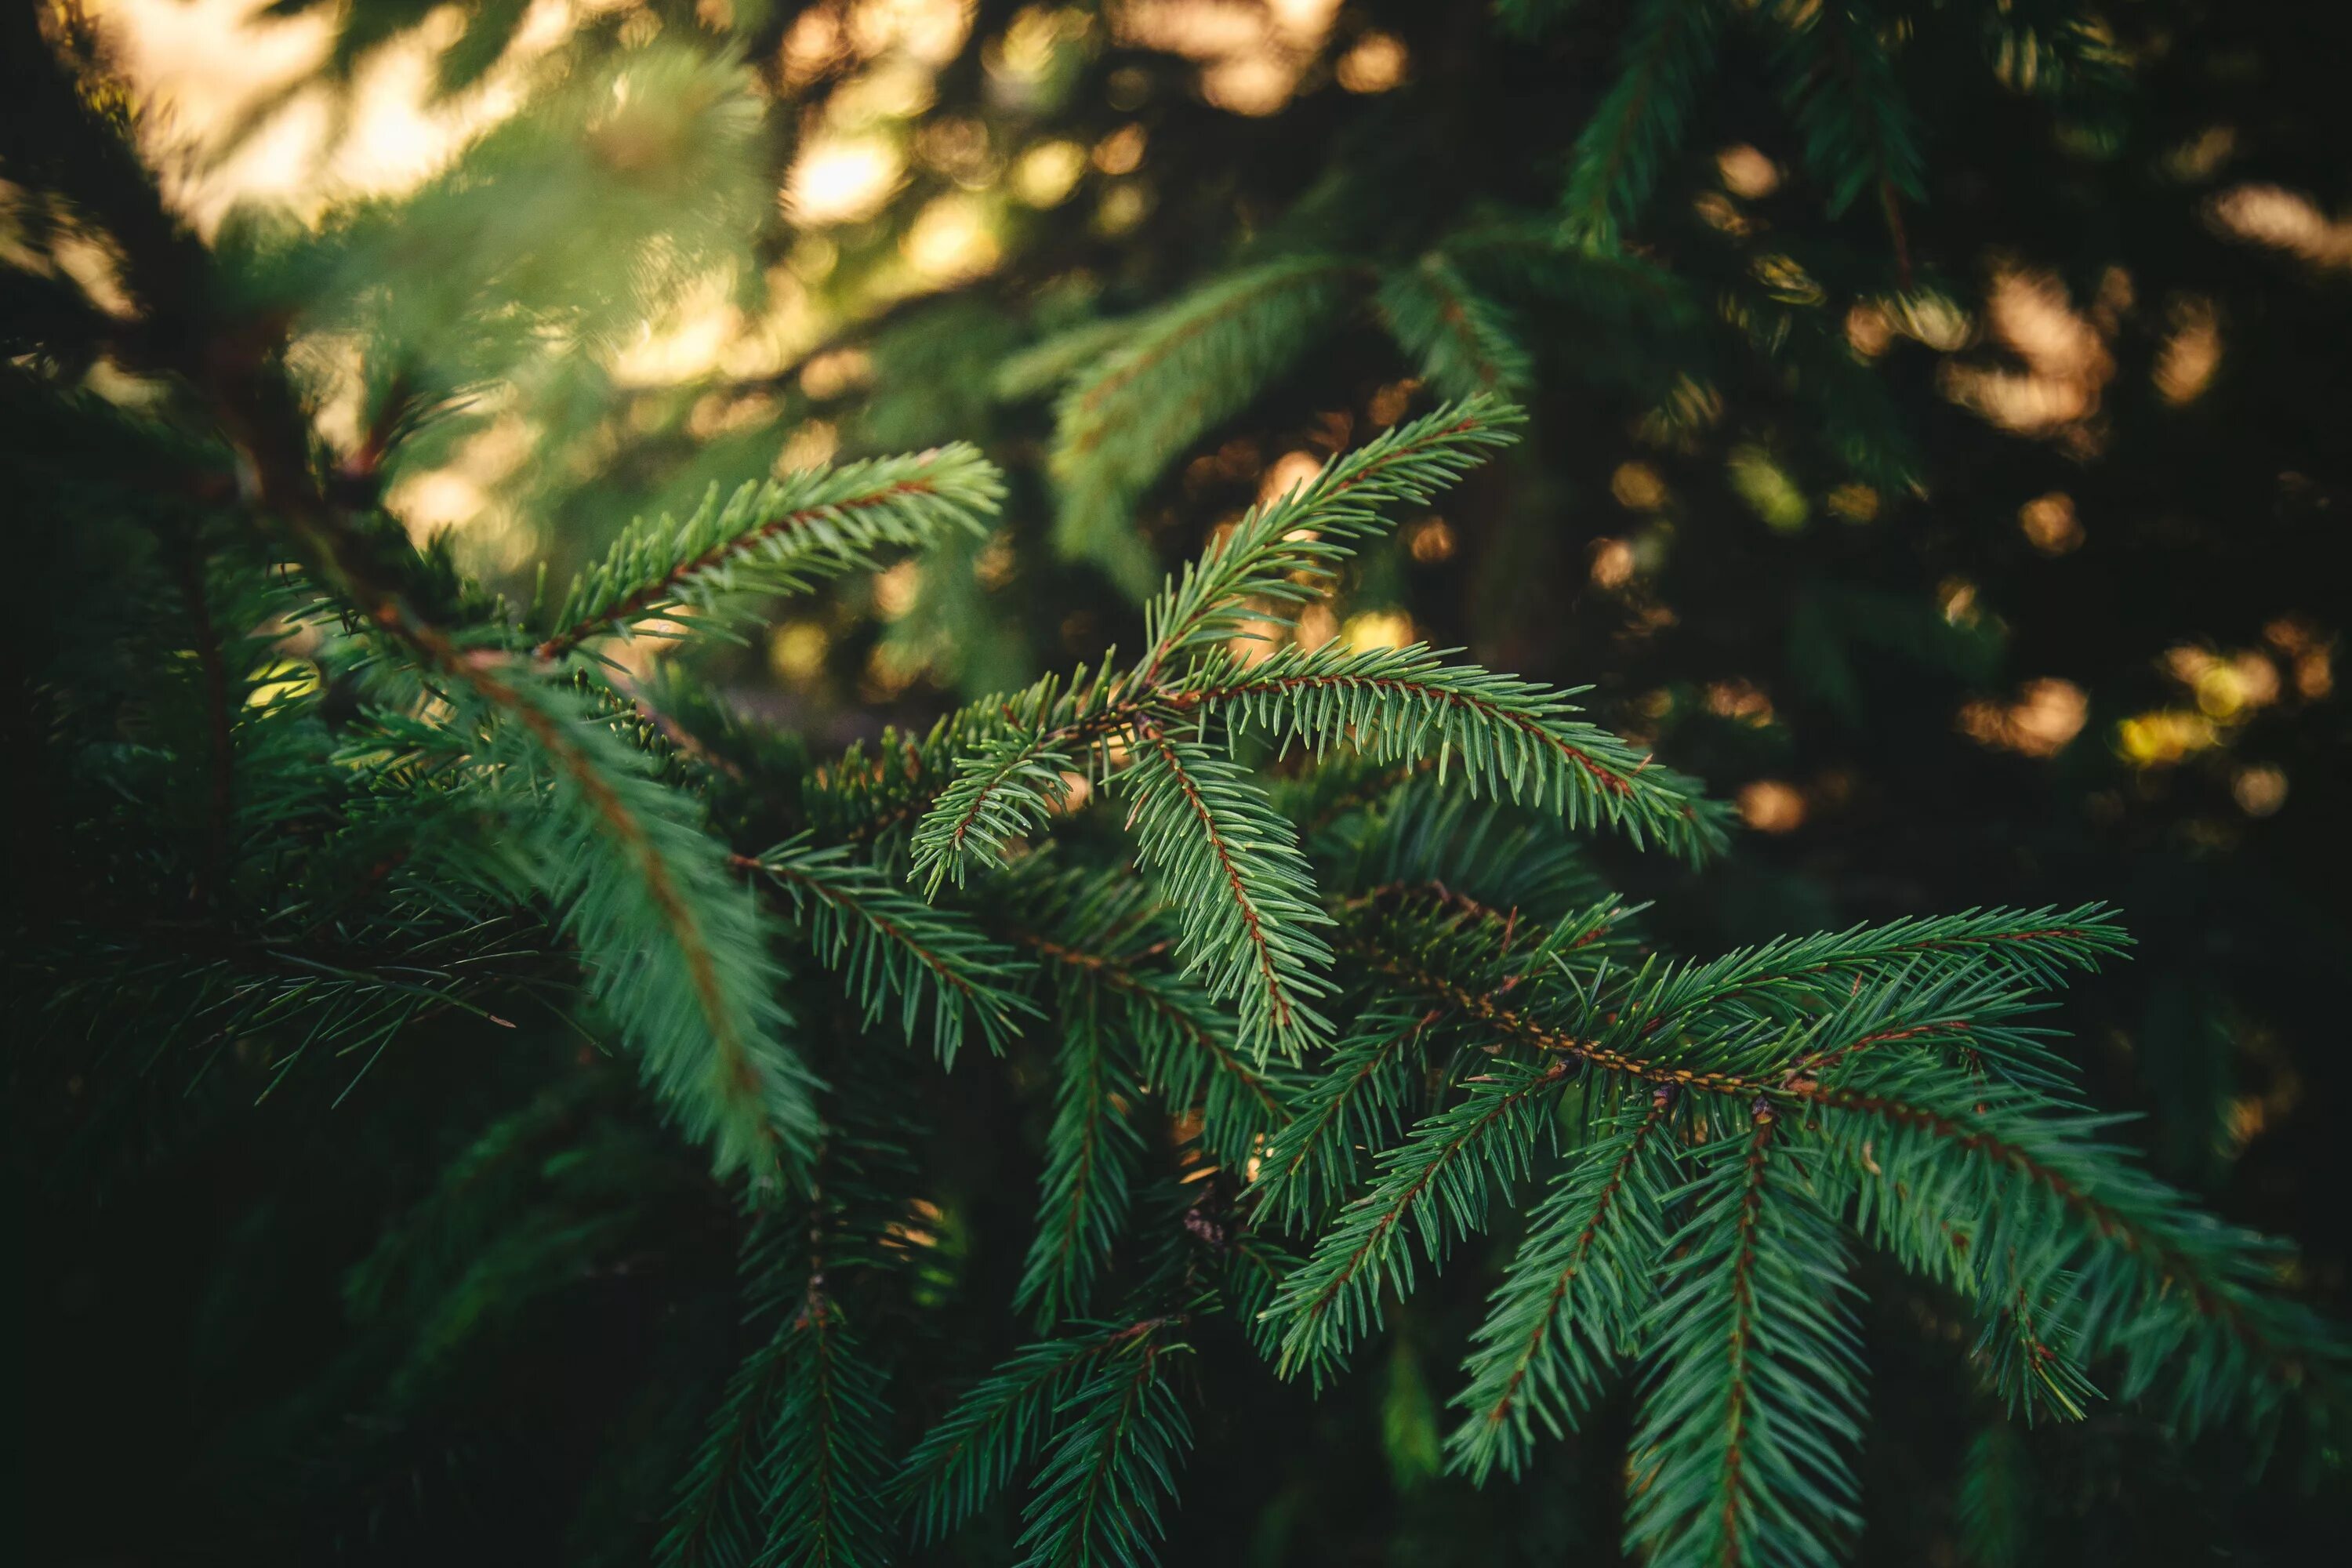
x: 1519, y: 1026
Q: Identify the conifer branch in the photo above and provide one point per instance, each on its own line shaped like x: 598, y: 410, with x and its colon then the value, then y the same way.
x: 719, y: 1519
x: 1571, y: 1307
x: 2191, y: 1305
x: 1463, y: 343
x: 1014, y: 769
x: 829, y: 1465
x: 1098, y: 1494
x: 1180, y: 374
x: 1091, y: 1157
x: 890, y: 944
x: 1990, y: 1507
x: 713, y: 1524
x: 1285, y: 551
x: 1838, y: 80
x: 1442, y: 1179
x: 1186, y: 1044
x: 774, y: 538
x: 1242, y: 891
x: 1510, y: 737
x: 710, y: 1044
x: 1358, y: 1101
x: 1669, y: 46
x: 1002, y: 1421
x: 705, y: 1027
x: 1753, y: 1394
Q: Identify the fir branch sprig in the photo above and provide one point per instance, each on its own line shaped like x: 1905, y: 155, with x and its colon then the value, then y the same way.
x: 1098, y: 1495
x: 1111, y: 934
x: 793, y: 1467
x: 1092, y: 1155
x: 1016, y: 767
x: 1179, y: 372
x: 892, y: 947
x: 2110, y: 1259
x: 824, y: 1505
x: 1753, y: 1402
x: 1286, y: 551
x: 718, y: 1518
x: 1359, y: 1099
x: 1021, y: 751
x: 1243, y: 893
x: 677, y: 956
x: 1837, y: 81
x: 1465, y: 343
x: 1436, y: 1186
x: 774, y: 538
x: 1670, y: 46
x: 1509, y: 738
x: 1229, y: 864
x: 1002, y: 1422
x: 1570, y: 1309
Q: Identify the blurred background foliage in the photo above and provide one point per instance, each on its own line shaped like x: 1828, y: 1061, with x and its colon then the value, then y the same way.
x: 1974, y: 518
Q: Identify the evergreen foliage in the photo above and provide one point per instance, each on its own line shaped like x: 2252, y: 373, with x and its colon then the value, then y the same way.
x: 1715, y: 1126
x: 1292, y: 967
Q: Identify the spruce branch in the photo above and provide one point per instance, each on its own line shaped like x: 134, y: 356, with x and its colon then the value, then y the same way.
x: 1179, y: 374
x: 1014, y: 768
x: 344, y: 984
x: 827, y: 1473
x: 1003, y: 1419
x: 1091, y: 1159
x: 1359, y: 1099
x: 1098, y: 1497
x: 718, y: 1517
x: 1753, y: 1399
x: 1242, y: 894
x: 1463, y: 342
x: 1509, y: 738
x: 1437, y: 1185
x: 890, y: 946
x: 774, y: 538
x: 1020, y: 752
x: 2110, y: 1259
x: 1669, y: 48
x: 1859, y: 133
x: 1570, y: 1308
x: 1110, y: 934
x: 677, y: 956
x: 622, y: 857
x: 1287, y: 551
x: 1991, y: 1506
x: 793, y: 1467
